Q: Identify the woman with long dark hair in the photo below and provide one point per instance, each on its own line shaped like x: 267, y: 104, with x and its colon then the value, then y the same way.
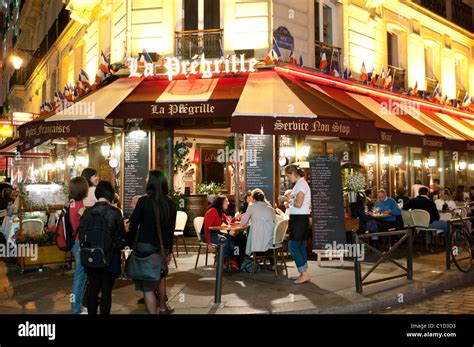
x: 215, y: 216
x: 144, y: 220
x: 93, y: 179
x: 298, y: 225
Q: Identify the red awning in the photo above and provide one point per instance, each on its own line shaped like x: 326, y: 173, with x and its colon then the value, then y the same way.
x: 398, y: 119
x: 276, y: 104
x: 183, y: 98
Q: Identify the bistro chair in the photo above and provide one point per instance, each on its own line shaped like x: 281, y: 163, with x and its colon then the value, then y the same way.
x: 421, y: 222
x: 407, y: 219
x: 181, y: 219
x: 198, y: 223
x: 32, y: 227
x: 279, y: 234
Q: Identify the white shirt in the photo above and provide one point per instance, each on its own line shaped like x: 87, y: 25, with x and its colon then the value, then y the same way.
x: 301, y: 186
x: 90, y: 200
x: 439, y: 204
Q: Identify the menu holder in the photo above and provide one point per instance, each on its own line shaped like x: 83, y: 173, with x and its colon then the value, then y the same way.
x: 329, y: 232
x: 135, y: 169
x: 259, y: 167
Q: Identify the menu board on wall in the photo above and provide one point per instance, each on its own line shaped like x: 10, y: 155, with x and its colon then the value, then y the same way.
x: 259, y: 163
x: 135, y: 169
x: 327, y: 201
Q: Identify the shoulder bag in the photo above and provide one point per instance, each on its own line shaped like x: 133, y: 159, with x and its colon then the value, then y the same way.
x: 143, y: 266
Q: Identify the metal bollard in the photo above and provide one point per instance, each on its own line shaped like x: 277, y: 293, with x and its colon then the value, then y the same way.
x: 219, y: 270
x: 357, y: 266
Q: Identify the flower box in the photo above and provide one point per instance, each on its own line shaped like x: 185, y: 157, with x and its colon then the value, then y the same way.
x: 46, y: 255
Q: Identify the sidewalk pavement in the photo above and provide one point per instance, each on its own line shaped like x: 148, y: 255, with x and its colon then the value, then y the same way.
x: 331, y: 290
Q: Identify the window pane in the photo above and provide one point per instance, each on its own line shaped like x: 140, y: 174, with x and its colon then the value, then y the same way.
x: 429, y: 62
x: 211, y: 14
x: 316, y: 21
x: 392, y: 49
x: 191, y: 14
x: 327, y: 25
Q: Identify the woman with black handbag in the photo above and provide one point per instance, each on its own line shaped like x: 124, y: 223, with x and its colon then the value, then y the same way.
x: 152, y: 223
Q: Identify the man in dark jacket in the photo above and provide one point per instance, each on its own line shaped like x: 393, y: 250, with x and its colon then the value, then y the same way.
x: 423, y: 202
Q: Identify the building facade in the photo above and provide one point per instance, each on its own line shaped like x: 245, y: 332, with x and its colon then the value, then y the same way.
x: 420, y: 45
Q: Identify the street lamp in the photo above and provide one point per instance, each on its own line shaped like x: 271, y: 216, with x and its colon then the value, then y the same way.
x: 105, y: 149
x: 16, y: 61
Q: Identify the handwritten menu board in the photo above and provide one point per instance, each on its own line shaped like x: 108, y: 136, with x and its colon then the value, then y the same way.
x: 135, y: 169
x: 327, y: 201
x: 259, y: 163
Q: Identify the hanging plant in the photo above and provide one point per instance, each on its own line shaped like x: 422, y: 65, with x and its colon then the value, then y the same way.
x: 230, y: 142
x: 181, y: 152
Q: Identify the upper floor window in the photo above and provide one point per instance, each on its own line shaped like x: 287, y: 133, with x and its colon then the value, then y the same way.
x: 430, y: 62
x: 201, y: 14
x: 393, y: 49
x: 324, y: 22
x: 460, y: 69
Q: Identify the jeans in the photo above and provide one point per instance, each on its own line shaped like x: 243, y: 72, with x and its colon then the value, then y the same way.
x: 100, y: 281
x: 440, y: 225
x: 79, y: 283
x: 298, y: 252
x: 228, y: 245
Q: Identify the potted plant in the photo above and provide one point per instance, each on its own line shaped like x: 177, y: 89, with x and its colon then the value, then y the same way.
x: 354, y: 183
x: 212, y: 189
x: 48, y: 252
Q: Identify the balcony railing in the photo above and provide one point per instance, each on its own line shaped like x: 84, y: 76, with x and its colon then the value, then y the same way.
x: 462, y: 15
x: 53, y: 33
x: 192, y: 42
x: 430, y: 85
x: 398, y: 77
x: 18, y: 78
x: 461, y: 94
x: 437, y: 6
x: 333, y: 56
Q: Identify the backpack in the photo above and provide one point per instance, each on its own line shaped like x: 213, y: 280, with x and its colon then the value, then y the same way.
x: 95, y: 238
x: 64, y: 235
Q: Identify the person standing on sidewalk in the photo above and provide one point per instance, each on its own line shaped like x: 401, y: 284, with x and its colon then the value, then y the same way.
x: 143, y: 222
x: 78, y: 189
x: 298, y: 226
x: 106, y: 220
x: 93, y: 179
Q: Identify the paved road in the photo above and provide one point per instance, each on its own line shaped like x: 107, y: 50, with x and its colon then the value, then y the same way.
x: 458, y: 301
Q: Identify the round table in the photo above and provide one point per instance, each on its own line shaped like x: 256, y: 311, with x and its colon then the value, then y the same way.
x: 229, y: 229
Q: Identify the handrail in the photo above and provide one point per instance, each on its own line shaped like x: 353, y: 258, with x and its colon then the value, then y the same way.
x: 200, y: 31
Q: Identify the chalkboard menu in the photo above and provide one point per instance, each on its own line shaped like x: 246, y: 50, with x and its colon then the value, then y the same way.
x: 259, y: 163
x: 327, y: 201
x: 135, y: 169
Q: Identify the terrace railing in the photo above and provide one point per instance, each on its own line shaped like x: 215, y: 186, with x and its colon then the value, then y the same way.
x: 196, y: 42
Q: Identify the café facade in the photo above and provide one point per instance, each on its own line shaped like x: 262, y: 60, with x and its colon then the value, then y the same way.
x: 240, y: 125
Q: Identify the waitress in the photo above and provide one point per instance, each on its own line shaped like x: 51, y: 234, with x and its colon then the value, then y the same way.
x: 298, y: 226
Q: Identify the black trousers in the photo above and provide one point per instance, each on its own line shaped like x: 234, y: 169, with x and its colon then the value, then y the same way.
x: 100, y: 281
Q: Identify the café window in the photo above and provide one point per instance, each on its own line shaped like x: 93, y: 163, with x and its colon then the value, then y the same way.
x: 448, y: 169
x: 201, y: 14
x: 432, y: 165
x: 384, y: 167
x: 399, y: 164
x: 416, y: 166
x: 462, y: 168
x: 370, y: 165
x: 324, y: 21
